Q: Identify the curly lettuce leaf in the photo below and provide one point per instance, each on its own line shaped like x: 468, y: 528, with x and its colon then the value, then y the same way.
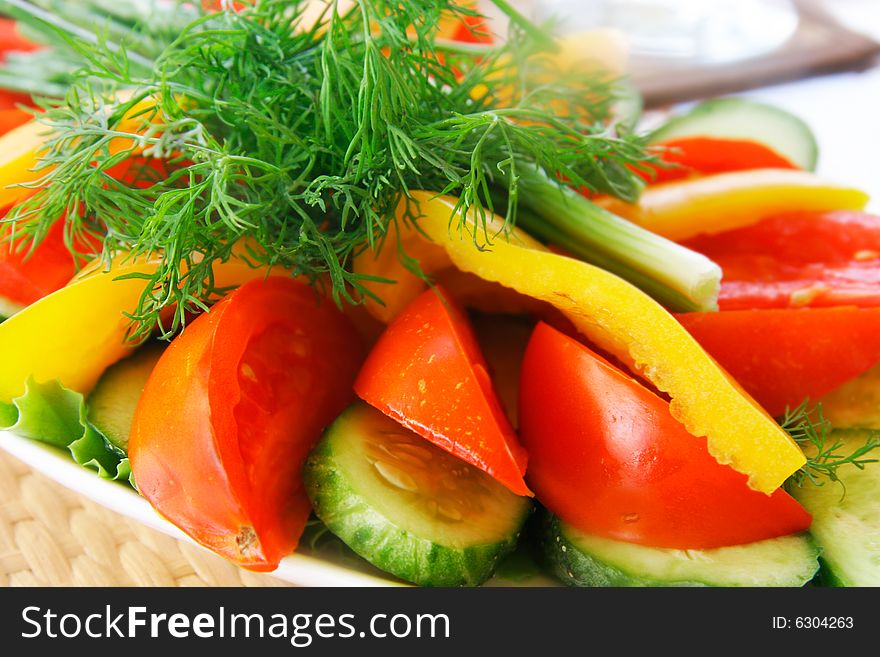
x: 55, y: 415
x: 8, y: 415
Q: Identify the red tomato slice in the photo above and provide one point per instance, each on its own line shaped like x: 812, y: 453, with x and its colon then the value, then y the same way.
x: 695, y: 156
x: 231, y: 411
x: 11, y: 118
x: 25, y: 278
x: 11, y: 40
x: 427, y: 372
x: 798, y: 260
x: 782, y: 357
x: 607, y: 457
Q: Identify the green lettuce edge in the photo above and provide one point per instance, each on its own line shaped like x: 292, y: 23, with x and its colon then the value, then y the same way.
x: 55, y: 415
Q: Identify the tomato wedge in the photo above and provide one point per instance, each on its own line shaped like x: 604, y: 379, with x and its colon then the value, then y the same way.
x: 798, y: 260
x: 427, y: 372
x: 607, y: 457
x: 784, y: 356
x: 11, y: 118
x: 695, y: 156
x: 28, y: 276
x: 231, y: 411
x: 11, y: 40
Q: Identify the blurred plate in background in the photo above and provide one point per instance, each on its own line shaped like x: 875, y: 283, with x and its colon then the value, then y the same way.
x: 687, y: 49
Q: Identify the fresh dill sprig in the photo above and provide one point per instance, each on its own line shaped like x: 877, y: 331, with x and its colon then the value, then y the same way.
x: 824, y: 447
x: 303, y: 140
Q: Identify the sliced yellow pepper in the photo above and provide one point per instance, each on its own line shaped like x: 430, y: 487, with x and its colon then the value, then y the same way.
x: 385, y: 263
x: 19, y: 155
x: 404, y: 285
x: 22, y: 148
x: 619, y: 318
x: 75, y: 333
x: 712, y: 204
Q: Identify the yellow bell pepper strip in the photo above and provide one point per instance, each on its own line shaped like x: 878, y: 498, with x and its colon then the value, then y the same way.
x: 681, y: 279
x: 75, y: 333
x: 19, y: 150
x: 396, y: 286
x: 386, y: 278
x: 22, y: 149
x: 713, y: 204
x: 622, y: 320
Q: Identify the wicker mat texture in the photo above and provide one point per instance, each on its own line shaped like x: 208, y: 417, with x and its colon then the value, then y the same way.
x: 51, y: 536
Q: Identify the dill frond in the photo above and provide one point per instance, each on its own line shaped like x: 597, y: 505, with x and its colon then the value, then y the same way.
x: 823, y: 447
x: 304, y: 140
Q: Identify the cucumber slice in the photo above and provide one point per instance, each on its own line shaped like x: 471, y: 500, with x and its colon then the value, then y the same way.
x: 740, y: 118
x: 112, y: 402
x: 580, y: 559
x: 846, y: 520
x: 855, y: 404
x: 408, y: 507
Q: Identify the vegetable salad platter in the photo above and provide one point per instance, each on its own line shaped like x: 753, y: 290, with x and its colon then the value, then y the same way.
x: 376, y: 293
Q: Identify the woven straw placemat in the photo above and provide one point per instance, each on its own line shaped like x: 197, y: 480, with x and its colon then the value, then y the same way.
x: 52, y: 536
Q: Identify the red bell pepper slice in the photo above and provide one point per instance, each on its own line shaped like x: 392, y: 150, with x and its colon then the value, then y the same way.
x: 11, y: 40
x: 27, y: 276
x: 784, y: 356
x: 693, y: 156
x: 427, y: 372
x: 798, y: 260
x: 11, y: 118
x: 606, y: 456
